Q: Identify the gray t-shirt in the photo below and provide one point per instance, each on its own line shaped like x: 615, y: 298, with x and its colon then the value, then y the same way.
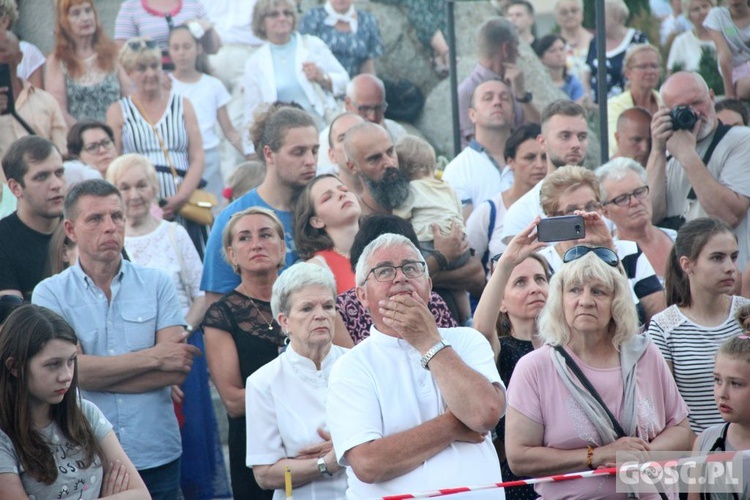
x: 72, y: 481
x: 738, y: 40
x: 706, y: 441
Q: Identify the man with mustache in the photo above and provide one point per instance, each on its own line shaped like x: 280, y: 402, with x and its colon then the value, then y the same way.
x: 370, y: 154
x: 684, y: 185
x: 36, y: 177
x: 565, y: 139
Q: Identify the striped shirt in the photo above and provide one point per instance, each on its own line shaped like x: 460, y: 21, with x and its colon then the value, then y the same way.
x: 137, y: 19
x: 691, y: 349
x: 138, y: 137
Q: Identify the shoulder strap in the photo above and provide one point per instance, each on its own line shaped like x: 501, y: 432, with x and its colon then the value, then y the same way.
x: 721, y: 131
x: 578, y: 373
x: 490, y: 230
x: 158, y: 136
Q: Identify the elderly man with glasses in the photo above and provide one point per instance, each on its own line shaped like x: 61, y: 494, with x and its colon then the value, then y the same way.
x: 365, y: 96
x: 411, y: 407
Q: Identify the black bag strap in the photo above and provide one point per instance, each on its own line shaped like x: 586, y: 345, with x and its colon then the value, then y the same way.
x: 578, y: 373
x: 490, y: 230
x: 721, y: 131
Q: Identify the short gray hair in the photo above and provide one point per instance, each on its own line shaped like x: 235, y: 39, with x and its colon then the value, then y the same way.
x: 351, y: 87
x: 617, y: 7
x: 382, y: 241
x: 623, y: 324
x: 616, y: 170
x: 296, y: 278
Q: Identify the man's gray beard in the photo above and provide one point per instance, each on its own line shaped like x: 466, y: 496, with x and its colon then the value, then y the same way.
x: 390, y: 191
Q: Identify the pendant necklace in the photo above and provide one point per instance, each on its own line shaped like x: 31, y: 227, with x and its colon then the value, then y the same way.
x: 270, y: 324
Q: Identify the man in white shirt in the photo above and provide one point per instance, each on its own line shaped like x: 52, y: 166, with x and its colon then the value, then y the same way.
x: 365, y: 96
x: 479, y: 172
x: 410, y: 408
x: 565, y: 139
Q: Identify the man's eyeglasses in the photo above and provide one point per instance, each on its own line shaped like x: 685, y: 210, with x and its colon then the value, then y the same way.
x: 95, y: 147
x: 624, y: 199
x: 139, y: 45
x: 605, y: 254
x: 387, y: 273
x: 278, y: 13
x: 590, y: 207
x: 378, y: 109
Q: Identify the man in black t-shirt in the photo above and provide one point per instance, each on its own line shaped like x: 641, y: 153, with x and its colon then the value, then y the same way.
x: 34, y: 169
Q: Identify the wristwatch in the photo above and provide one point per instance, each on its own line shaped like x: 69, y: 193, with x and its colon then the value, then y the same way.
x: 323, y: 468
x: 432, y: 352
x: 526, y: 98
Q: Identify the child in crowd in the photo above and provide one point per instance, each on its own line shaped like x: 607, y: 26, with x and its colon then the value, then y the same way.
x: 431, y: 202
x: 208, y: 96
x: 52, y: 443
x: 246, y: 177
x: 732, y: 396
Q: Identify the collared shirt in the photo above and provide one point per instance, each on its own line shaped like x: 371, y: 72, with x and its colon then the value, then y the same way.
x: 478, y: 75
x: 40, y: 110
x: 476, y: 176
x: 143, y: 302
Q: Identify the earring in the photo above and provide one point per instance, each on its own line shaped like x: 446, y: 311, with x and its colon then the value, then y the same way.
x: 286, y: 338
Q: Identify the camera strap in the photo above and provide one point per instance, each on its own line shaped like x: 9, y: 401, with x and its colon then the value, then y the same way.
x: 721, y: 131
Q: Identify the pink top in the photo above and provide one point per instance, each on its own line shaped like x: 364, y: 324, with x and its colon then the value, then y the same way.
x: 537, y: 391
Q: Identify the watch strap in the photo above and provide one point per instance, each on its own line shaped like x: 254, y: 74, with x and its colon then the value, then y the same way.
x: 432, y: 352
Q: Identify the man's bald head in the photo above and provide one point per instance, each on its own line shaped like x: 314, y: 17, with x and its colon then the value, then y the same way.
x: 690, y: 89
x: 365, y: 95
x: 354, y: 138
x: 677, y: 85
x: 633, y: 134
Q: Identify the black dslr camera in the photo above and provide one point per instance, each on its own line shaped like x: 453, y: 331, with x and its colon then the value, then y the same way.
x: 683, y: 118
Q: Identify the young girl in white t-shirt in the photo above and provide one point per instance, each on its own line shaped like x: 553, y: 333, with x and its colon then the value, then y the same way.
x: 208, y: 96
x: 732, y: 396
x: 53, y: 444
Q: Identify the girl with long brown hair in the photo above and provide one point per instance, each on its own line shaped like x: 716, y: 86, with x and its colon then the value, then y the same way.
x: 53, y: 444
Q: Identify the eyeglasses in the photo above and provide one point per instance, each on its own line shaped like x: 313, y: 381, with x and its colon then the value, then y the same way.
x: 590, y: 207
x: 279, y: 13
x: 366, y: 110
x: 387, y: 273
x: 565, y: 12
x: 139, y: 45
x: 605, y: 254
x: 624, y: 199
x: 644, y: 67
x: 95, y: 147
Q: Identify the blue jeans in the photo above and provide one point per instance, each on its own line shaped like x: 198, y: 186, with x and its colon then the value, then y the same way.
x: 163, y: 482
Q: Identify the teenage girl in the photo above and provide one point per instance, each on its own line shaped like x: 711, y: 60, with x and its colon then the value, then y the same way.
x: 732, y: 395
x: 208, y: 96
x: 53, y: 444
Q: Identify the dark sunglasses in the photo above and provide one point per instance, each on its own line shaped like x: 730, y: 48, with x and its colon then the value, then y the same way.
x: 607, y: 255
x: 140, y: 44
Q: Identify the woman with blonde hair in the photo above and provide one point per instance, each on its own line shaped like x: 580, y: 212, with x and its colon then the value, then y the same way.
x: 687, y: 48
x: 82, y: 72
x: 596, y: 388
x: 240, y: 330
x: 291, y: 67
x: 162, y: 126
x: 160, y: 244
x: 569, y: 17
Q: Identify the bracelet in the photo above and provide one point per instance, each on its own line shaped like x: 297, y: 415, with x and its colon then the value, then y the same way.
x: 441, y: 260
x: 590, y: 457
x: 323, y: 468
x: 431, y: 353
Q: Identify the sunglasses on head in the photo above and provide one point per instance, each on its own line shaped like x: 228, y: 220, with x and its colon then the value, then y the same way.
x: 605, y: 254
x: 140, y: 44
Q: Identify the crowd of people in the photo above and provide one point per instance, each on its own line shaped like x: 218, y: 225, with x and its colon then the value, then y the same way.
x: 373, y: 324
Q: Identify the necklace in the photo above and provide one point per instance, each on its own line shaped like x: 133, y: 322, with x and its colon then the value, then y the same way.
x: 343, y: 254
x: 257, y: 309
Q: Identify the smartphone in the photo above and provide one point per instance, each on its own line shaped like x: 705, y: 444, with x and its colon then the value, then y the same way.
x: 564, y: 228
x: 5, y: 82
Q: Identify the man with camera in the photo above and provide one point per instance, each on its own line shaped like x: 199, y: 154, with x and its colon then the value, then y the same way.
x: 698, y: 166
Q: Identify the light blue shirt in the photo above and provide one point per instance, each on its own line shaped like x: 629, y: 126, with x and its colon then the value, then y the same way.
x: 218, y: 276
x: 288, y: 88
x: 143, y: 302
